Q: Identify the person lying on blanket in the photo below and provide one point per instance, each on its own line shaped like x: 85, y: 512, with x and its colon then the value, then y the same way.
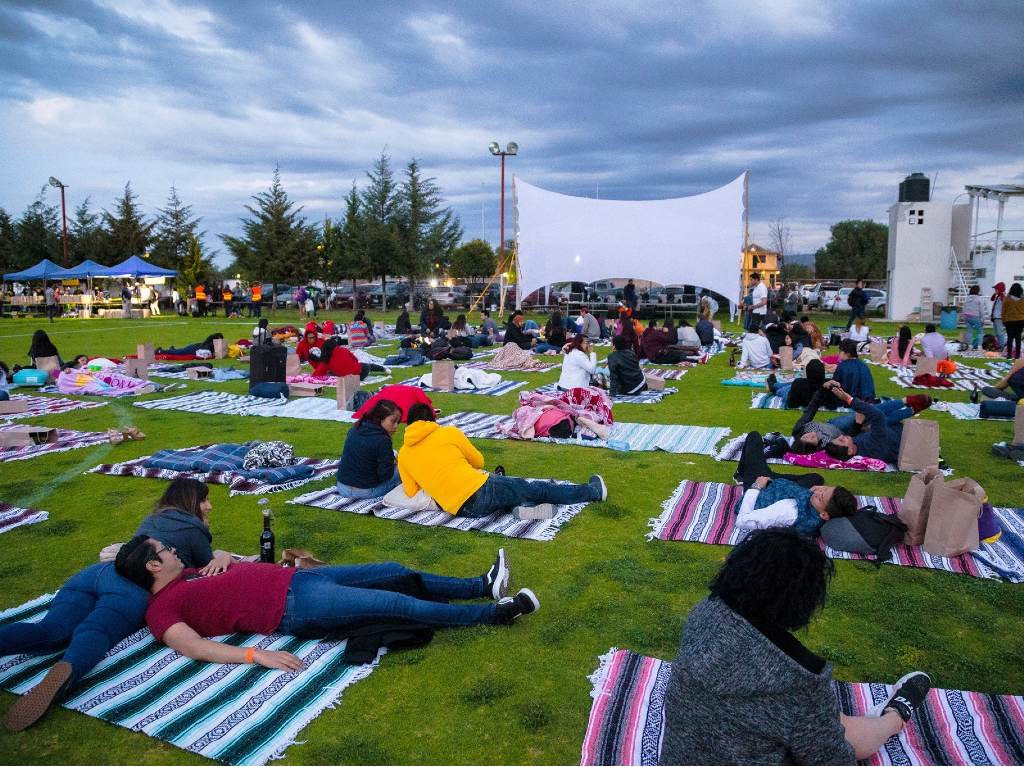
x: 187, y: 606
x: 744, y: 690
x: 103, y: 383
x: 336, y: 360
x: 873, y: 431
x: 800, y: 502
x: 367, y: 468
x: 190, y: 349
x: 442, y: 461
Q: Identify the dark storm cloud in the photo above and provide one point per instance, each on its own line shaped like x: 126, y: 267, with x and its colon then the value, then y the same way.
x: 828, y: 105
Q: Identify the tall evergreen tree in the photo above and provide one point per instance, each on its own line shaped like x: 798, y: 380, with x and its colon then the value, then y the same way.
x: 194, y: 267
x: 380, y: 208
x: 127, y: 231
x: 428, y: 233
x: 85, y: 233
x: 277, y: 244
x: 175, y: 228
x: 39, y: 233
x: 10, y: 256
x: 349, y: 254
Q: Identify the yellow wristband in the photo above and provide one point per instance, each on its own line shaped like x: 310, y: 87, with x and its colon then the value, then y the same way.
x: 250, y: 654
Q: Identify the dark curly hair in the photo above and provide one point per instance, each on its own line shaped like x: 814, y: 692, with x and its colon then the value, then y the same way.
x: 775, y: 576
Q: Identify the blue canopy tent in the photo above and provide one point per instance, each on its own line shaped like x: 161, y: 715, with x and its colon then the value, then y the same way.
x: 87, y: 268
x: 44, y: 270
x: 136, y: 267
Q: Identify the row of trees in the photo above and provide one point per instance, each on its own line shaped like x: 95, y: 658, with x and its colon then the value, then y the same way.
x: 854, y: 249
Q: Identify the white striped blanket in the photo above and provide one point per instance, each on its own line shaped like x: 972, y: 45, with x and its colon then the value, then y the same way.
x: 669, y: 374
x: 486, y: 365
x: 953, y: 727
x: 67, y: 439
x: 493, y: 391
x: 239, y: 485
x: 647, y: 397
x: 224, y: 403
x: 236, y: 714
x: 639, y: 436
x: 503, y: 524
x: 765, y: 401
x: 1002, y: 367
x: 959, y: 384
x: 15, y: 516
x: 39, y: 406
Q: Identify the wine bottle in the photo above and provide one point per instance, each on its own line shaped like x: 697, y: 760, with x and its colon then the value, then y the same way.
x: 267, y: 536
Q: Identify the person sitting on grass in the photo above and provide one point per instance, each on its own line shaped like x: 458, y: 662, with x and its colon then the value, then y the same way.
x: 444, y: 463
x: 554, y: 334
x: 744, y: 690
x: 853, y: 374
x: 367, y: 468
x: 42, y: 348
x: 756, y: 351
x: 933, y: 343
x: 263, y: 598
x: 578, y: 367
x: 360, y: 334
x: 901, y: 348
x: 516, y: 334
x: 872, y: 430
x: 624, y: 373
x: 311, y: 341
x: 403, y: 325
x: 1010, y: 386
x: 799, y: 391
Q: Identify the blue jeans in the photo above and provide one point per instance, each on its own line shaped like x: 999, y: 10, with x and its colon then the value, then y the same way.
x: 413, y: 359
x: 894, y: 409
x: 348, y: 491
x: 1000, y: 331
x: 93, y: 611
x: 544, y: 346
x: 782, y: 390
x: 977, y: 328
x: 327, y: 599
x: 500, y: 494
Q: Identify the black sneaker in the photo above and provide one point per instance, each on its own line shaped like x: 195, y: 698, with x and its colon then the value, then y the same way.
x: 499, y: 470
x: 510, y: 609
x: 496, y: 579
x: 908, y: 694
x: 597, y: 481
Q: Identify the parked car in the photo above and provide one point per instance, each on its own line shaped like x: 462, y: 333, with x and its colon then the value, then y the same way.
x: 825, y: 292
x: 283, y: 296
x: 876, y: 301
x: 450, y: 298
x: 603, y: 291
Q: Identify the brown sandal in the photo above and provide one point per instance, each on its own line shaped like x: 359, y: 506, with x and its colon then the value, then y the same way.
x: 132, y: 432
x: 33, y: 705
x: 115, y: 437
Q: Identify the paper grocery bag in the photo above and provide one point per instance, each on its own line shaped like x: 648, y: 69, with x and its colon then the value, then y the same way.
x: 1018, y: 425
x: 220, y: 348
x: 13, y: 406
x: 442, y: 375
x: 136, y: 368
x: 786, y: 357
x: 919, y: 446
x: 291, y: 365
x: 654, y: 383
x: 23, y: 436
x: 926, y: 365
x: 916, y: 503
x: 878, y: 351
x: 346, y: 389
x: 145, y: 352
x: 305, y: 390
x: 953, y: 518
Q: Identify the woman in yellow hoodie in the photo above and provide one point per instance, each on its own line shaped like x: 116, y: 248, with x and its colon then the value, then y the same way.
x: 443, y: 462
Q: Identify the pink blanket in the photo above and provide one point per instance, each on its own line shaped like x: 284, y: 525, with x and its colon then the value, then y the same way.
x: 822, y: 460
x: 586, y: 404
x: 101, y: 384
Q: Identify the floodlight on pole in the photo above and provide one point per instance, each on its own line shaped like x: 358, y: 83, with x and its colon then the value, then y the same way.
x: 511, y: 149
x: 56, y: 183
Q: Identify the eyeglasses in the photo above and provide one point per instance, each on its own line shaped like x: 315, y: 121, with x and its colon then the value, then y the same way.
x: 156, y: 554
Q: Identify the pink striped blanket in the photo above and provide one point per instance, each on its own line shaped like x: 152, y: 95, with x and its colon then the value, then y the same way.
x: 66, y: 440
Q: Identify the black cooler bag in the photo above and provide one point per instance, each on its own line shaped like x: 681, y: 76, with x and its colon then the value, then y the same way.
x: 267, y: 364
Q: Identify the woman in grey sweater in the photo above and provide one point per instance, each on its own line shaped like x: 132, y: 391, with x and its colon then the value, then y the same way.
x: 744, y: 690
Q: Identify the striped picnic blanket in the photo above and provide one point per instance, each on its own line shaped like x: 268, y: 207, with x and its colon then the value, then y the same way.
x: 507, y: 524
x: 962, y: 373
x: 39, y: 406
x: 486, y: 365
x: 493, y: 391
x: 332, y: 381
x: 236, y: 714
x: 1002, y: 367
x: 15, y: 516
x: 647, y: 397
x: 704, y: 512
x: 766, y: 401
x: 224, y: 403
x: 627, y: 720
x: 959, y: 384
x: 639, y: 436
x: 669, y: 374
x: 239, y: 483
x: 732, y: 450
x: 67, y: 439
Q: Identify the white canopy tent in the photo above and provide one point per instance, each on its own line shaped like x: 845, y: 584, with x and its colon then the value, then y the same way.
x: 694, y: 240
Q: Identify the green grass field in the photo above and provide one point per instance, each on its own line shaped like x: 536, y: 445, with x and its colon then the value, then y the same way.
x: 495, y: 695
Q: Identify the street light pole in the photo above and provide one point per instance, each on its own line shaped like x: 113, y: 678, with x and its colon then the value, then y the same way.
x: 64, y: 215
x: 512, y: 148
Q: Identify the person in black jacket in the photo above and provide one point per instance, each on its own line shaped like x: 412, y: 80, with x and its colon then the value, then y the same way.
x: 857, y: 300
x: 368, y: 468
x: 514, y: 333
x: 403, y: 325
x: 624, y: 373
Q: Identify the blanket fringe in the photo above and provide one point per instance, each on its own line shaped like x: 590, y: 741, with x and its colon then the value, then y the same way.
x: 28, y: 605
x: 598, y: 677
x: 657, y: 524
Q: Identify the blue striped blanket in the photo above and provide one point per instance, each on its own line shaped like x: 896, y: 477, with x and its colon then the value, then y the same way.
x: 218, y: 402
x: 224, y: 457
x: 236, y: 714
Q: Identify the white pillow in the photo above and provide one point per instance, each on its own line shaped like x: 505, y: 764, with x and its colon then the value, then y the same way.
x: 419, y: 502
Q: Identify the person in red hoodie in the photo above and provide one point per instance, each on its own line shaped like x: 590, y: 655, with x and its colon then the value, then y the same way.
x: 337, y: 360
x: 310, y: 341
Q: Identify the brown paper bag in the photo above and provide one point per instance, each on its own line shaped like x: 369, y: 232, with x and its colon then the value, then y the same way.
x: 305, y: 390
x: 291, y: 365
x: 199, y: 372
x: 1018, y: 425
x: 654, y: 382
x: 717, y: 325
x: 12, y: 406
x: 145, y: 352
x: 785, y: 357
x: 878, y: 351
x: 346, y: 389
x: 926, y: 365
x: 919, y: 446
x: 136, y: 368
x: 916, y: 503
x: 220, y: 348
x: 23, y: 436
x: 953, y: 518
x: 442, y: 375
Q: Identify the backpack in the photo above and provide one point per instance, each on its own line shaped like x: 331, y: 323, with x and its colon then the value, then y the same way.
x: 866, y: 531
x: 461, y: 353
x: 439, y: 350
x: 990, y: 343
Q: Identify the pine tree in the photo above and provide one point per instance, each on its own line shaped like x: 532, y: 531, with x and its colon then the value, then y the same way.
x: 84, y: 233
x: 428, y: 233
x: 9, y: 253
x: 175, y: 228
x: 127, y: 232
x: 194, y: 266
x: 39, y: 233
x: 278, y: 246
x: 349, y: 254
x: 380, y: 208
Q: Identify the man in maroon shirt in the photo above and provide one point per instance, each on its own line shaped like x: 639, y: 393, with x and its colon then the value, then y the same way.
x: 263, y: 598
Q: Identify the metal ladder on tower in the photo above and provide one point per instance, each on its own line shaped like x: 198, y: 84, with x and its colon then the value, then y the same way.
x: 964, y: 277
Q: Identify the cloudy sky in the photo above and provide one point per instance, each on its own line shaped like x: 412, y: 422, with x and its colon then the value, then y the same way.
x: 829, y: 105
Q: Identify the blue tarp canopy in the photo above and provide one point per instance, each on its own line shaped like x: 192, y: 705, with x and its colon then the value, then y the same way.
x: 136, y: 267
x: 44, y: 270
x: 87, y: 268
